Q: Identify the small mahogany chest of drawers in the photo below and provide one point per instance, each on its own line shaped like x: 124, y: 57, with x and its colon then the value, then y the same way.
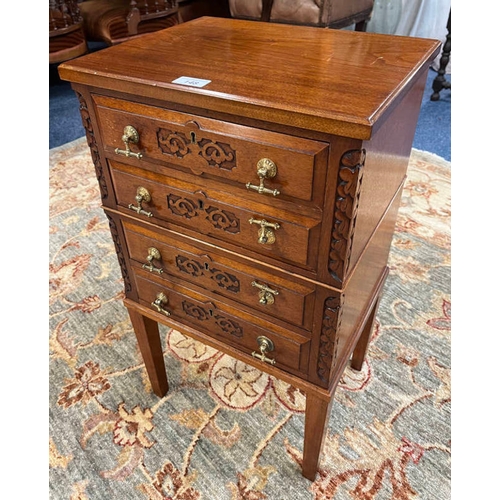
x: 251, y: 175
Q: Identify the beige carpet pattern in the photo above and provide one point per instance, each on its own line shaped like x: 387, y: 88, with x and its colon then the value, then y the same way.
x: 226, y: 430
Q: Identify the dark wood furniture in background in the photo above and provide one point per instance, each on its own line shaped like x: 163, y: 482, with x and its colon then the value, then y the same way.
x: 66, y: 34
x: 321, y: 13
x: 254, y: 211
x: 192, y: 9
x: 440, y: 81
x: 115, y: 21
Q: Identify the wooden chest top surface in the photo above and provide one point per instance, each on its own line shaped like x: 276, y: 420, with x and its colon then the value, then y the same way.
x: 332, y: 81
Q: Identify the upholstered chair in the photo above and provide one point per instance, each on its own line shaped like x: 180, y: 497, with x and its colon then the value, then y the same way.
x: 323, y: 13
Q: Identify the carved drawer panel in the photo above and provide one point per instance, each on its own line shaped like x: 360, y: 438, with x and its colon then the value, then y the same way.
x: 219, y: 320
x: 273, y: 233
x: 215, y: 149
x: 269, y: 294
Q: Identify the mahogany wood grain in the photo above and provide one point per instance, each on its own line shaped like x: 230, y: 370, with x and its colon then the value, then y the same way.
x: 335, y: 81
x: 148, y: 338
x: 230, y: 350
x: 220, y: 215
x: 214, y: 149
x: 316, y: 424
x: 335, y: 110
x: 220, y: 275
x: 385, y: 166
x: 291, y: 350
x: 359, y: 353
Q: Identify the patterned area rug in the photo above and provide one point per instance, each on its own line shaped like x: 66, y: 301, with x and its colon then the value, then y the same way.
x: 225, y: 430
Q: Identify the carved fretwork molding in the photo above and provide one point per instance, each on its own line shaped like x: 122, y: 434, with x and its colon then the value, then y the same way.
x: 211, y: 315
x: 188, y: 208
x: 346, y: 207
x: 196, y: 269
x: 120, y: 254
x: 328, y: 344
x: 92, y: 143
x: 202, y: 153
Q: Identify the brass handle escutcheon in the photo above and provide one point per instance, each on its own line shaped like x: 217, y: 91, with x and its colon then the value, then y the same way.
x: 159, y: 302
x: 266, y: 294
x: 142, y: 195
x: 266, y: 169
x: 153, y: 253
x: 265, y: 345
x: 130, y: 135
x: 266, y: 233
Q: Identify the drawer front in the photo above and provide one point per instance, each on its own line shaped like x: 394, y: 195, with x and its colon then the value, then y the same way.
x: 216, y: 149
x: 268, y: 294
x: 218, y: 320
x: 288, y: 237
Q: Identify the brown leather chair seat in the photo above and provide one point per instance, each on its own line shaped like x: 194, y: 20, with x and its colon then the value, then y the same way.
x: 323, y: 13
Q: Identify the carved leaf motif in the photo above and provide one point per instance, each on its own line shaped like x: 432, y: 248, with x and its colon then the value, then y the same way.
x: 189, y: 266
x: 329, y: 338
x: 182, y: 206
x: 173, y: 143
x: 217, y: 154
x: 200, y: 314
x: 204, y: 153
x: 197, y: 269
x: 188, y: 208
x: 229, y: 326
x: 196, y: 312
x: 346, y: 205
x: 221, y: 219
x: 225, y: 280
x: 120, y: 254
x: 92, y: 143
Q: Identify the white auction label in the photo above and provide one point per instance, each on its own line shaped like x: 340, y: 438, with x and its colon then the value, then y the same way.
x: 192, y: 82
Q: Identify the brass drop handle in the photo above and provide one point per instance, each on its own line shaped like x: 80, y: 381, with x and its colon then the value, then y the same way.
x: 266, y: 294
x: 266, y: 169
x: 265, y: 345
x: 142, y: 195
x: 160, y: 301
x: 266, y: 233
x: 153, y: 253
x: 130, y: 135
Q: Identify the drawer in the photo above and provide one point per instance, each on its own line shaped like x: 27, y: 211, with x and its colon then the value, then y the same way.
x: 269, y: 294
x: 216, y: 149
x: 219, y: 320
x: 225, y: 217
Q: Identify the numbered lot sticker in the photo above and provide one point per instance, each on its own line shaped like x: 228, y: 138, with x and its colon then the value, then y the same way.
x: 191, y: 82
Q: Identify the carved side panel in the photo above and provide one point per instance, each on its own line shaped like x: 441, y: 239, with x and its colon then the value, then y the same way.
x: 92, y: 143
x: 120, y: 254
x: 332, y: 317
x: 346, y: 207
